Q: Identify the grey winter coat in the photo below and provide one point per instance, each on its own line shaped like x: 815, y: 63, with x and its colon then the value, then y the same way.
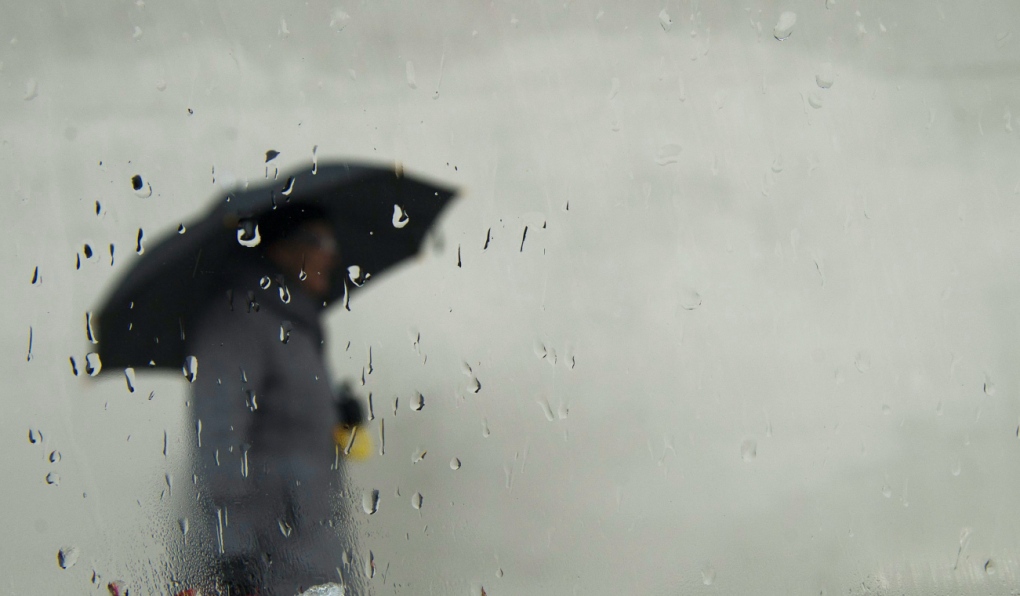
x: 268, y: 468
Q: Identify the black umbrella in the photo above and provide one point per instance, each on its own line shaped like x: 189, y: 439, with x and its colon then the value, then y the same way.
x: 380, y: 215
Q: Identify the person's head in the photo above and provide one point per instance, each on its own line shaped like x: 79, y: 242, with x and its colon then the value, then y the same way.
x: 300, y: 241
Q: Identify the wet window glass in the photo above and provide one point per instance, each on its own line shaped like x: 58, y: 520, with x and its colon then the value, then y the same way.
x: 510, y: 297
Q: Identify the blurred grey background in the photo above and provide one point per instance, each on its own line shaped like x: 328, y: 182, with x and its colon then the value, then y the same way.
x: 761, y: 335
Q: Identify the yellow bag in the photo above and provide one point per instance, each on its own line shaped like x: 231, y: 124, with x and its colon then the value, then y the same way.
x: 354, y: 441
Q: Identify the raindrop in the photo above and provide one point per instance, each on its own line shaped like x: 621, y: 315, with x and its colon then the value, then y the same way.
x: 284, y: 294
x: 285, y: 528
x: 315, y: 159
x: 689, y: 299
x: 184, y: 526
x: 31, y: 90
x: 54, y: 457
x: 989, y: 387
x: 708, y: 575
x: 862, y: 361
x: 129, y: 377
x: 288, y: 187
x: 74, y: 366
x: 190, y: 368
x: 111, y: 254
x: 138, y: 246
x: 53, y: 478
x: 455, y: 464
x: 137, y: 34
x: 886, y: 491
x: 668, y: 153
x: 475, y: 385
x: 418, y: 455
x: 285, y: 328
x: 488, y: 238
x: 67, y: 557
x: 271, y: 155
x: 142, y: 188
x: 825, y: 77
x: 416, y: 501
x: 665, y: 20
x: 35, y: 276
x: 77, y: 261
x: 265, y: 282
x: 814, y: 100
x: 181, y: 229
x: 248, y: 233
x: 784, y: 26
x: 161, y: 85
x: 400, y: 218
x: 88, y: 329
x: 957, y: 468
x: 990, y: 567
x: 302, y: 275
x: 409, y: 70
x: 485, y: 429
x: 417, y: 402
x: 28, y: 356
x: 749, y: 450
x: 99, y: 208
x: 370, y: 501
x: 34, y: 436
x: 92, y: 364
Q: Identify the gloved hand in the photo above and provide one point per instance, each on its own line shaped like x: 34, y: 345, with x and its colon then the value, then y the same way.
x: 350, y: 432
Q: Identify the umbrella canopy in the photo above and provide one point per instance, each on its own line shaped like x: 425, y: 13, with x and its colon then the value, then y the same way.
x: 379, y: 214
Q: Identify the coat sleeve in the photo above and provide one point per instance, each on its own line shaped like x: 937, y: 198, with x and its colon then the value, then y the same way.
x: 231, y: 373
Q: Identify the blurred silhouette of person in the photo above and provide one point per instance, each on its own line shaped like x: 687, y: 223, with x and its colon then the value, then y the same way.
x: 268, y: 467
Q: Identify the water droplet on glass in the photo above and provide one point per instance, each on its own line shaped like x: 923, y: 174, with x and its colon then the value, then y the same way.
x: 989, y: 387
x: 54, y: 457
x: 181, y: 229
x: 138, y: 242
x: 400, y: 218
x: 265, y: 282
x: 284, y: 294
x: 31, y: 90
x: 184, y: 525
x: 814, y: 100
x: 455, y: 464
x: 689, y: 299
x: 668, y: 153
x: 416, y: 501
x: 142, y: 188
x: 990, y: 567
x: 34, y: 436
x: 886, y: 491
x: 474, y: 386
x: 68, y: 556
x: 825, y: 77
x: 302, y: 275
x: 53, y: 478
x: 862, y: 361
x: 271, y: 155
x: 92, y: 364
x: 665, y: 20
x: 87, y: 249
x: 784, y: 26
x: 409, y: 71
x: 288, y: 187
x: 708, y: 575
x: 485, y: 429
x: 248, y: 233
x: 418, y: 455
x: 285, y: 328
x: 161, y: 85
x: 35, y: 277
x: 749, y: 450
x: 417, y: 402
x: 285, y: 528
x: 370, y: 501
x: 190, y: 368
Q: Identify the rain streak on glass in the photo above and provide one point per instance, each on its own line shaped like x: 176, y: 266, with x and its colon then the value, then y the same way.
x: 92, y: 364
